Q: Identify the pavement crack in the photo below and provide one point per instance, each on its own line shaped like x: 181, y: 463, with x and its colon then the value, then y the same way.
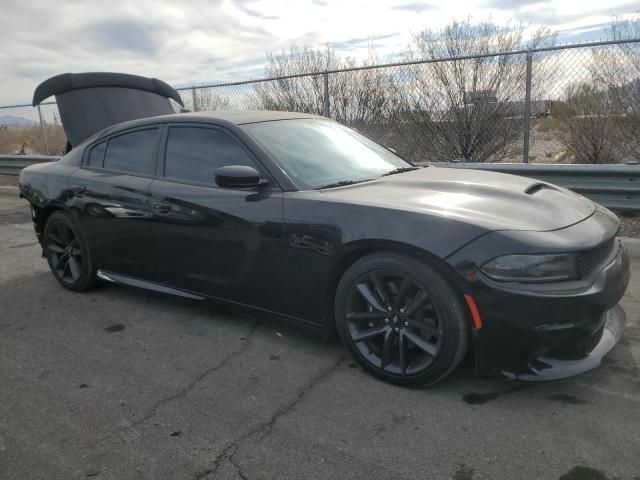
x: 153, y: 410
x: 236, y: 465
x: 202, y: 475
x: 264, y: 429
x: 223, y: 363
x: 268, y: 426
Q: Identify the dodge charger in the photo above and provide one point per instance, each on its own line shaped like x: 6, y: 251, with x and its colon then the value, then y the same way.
x: 301, y: 218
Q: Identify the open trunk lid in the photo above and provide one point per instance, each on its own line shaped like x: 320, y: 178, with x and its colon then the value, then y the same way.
x: 90, y: 102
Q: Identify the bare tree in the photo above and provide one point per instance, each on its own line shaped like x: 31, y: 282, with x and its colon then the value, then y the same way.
x: 298, y: 94
x: 357, y: 98
x: 360, y: 98
x: 618, y: 71
x: 465, y: 108
x: 201, y: 99
x: 206, y: 99
x: 589, y: 127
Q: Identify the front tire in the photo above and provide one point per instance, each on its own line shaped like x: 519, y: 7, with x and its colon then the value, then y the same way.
x: 401, y: 319
x: 67, y: 253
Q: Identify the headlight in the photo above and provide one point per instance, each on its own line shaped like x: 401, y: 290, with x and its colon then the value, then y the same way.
x: 532, y: 268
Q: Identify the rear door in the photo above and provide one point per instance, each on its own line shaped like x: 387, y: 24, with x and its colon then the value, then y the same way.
x: 110, y: 193
x: 225, y: 243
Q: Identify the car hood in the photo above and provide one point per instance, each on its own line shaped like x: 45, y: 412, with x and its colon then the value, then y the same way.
x: 495, y: 201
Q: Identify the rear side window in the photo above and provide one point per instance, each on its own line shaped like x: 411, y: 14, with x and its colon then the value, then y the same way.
x: 194, y: 153
x: 133, y: 152
x: 96, y: 155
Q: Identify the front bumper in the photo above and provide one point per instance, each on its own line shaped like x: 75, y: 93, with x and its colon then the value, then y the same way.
x: 549, y: 368
x: 550, y: 334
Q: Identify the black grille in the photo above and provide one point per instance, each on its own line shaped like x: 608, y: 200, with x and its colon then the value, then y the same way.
x: 589, y: 260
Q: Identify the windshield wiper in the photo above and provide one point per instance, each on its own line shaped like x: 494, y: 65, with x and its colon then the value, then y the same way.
x: 342, y: 183
x: 399, y: 170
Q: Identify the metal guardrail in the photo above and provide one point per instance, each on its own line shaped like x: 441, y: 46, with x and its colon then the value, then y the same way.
x: 12, y: 164
x: 615, y: 186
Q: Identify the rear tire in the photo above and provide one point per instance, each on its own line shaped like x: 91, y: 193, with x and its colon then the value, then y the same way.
x: 401, y: 319
x: 67, y: 253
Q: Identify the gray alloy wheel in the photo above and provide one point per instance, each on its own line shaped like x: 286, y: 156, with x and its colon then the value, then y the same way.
x: 401, y: 320
x: 67, y: 254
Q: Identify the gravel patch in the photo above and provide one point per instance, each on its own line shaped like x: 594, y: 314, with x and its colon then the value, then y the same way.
x: 630, y: 225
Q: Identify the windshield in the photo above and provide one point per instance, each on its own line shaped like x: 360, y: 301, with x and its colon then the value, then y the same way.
x: 317, y: 153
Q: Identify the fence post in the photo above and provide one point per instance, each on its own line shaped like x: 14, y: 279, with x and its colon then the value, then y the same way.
x: 194, y: 99
x: 527, y: 109
x: 326, y: 95
x: 44, y: 131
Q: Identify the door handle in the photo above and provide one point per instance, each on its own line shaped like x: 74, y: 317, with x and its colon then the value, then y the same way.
x: 77, y: 189
x: 161, y: 207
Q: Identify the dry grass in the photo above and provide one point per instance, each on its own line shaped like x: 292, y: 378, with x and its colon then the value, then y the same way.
x: 546, y: 125
x: 516, y: 151
x: 8, y: 180
x: 30, y: 140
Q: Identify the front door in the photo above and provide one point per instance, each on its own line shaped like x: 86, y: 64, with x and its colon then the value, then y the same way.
x: 225, y: 243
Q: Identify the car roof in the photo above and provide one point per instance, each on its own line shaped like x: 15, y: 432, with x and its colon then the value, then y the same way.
x: 240, y: 117
x: 236, y: 117
x: 233, y: 117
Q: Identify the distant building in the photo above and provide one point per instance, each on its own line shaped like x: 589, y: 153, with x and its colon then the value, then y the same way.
x: 479, y: 96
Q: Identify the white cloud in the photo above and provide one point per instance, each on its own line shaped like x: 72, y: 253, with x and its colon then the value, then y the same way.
x: 208, y: 40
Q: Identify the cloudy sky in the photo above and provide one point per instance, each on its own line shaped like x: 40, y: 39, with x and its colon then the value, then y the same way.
x: 199, y: 41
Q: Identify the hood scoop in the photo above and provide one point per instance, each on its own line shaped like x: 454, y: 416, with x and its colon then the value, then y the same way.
x: 494, y: 201
x: 90, y: 102
x: 537, y: 187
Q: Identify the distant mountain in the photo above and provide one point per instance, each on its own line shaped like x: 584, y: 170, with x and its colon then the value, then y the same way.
x: 14, y: 121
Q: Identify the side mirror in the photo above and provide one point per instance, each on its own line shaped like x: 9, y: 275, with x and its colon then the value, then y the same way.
x: 238, y: 176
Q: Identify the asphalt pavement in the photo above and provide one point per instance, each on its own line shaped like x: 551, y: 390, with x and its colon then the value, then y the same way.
x: 119, y: 383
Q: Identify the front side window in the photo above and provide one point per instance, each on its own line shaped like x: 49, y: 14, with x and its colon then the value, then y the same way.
x: 315, y: 152
x: 194, y: 153
x: 133, y: 152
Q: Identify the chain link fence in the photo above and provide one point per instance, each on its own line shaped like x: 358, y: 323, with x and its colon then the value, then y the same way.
x: 565, y: 104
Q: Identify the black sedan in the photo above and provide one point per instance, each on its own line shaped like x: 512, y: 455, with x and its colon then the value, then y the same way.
x: 300, y: 217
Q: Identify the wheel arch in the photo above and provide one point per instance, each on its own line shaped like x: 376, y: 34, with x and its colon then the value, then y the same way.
x: 41, y: 214
x: 356, y: 250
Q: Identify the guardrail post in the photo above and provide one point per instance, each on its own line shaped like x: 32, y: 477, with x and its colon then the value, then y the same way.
x: 194, y: 99
x: 527, y: 109
x: 326, y: 95
x: 44, y: 131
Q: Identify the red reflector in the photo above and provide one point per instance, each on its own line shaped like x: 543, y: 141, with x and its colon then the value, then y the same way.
x: 475, y: 314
